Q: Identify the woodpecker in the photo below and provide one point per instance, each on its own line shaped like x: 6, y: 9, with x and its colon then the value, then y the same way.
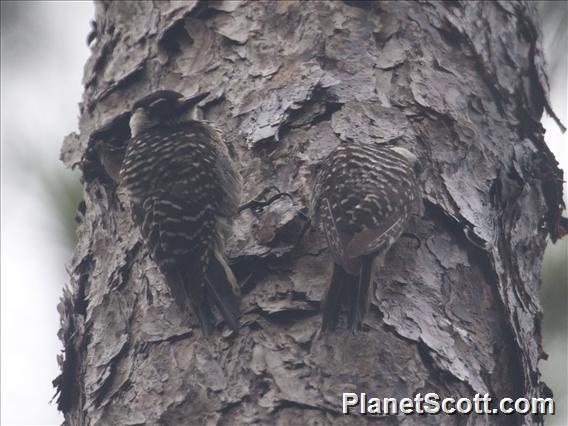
x: 364, y: 196
x: 184, y: 191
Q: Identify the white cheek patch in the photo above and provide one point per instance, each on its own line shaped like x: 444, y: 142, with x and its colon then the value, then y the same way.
x: 139, y: 121
x: 192, y: 114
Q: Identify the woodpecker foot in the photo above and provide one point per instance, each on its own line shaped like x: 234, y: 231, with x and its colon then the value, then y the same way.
x: 414, y: 237
x: 260, y: 201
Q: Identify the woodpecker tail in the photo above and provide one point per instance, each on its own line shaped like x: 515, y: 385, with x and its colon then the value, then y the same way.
x: 215, y: 286
x: 360, y: 303
x: 350, y: 290
x: 205, y: 316
x: 221, y: 288
x: 340, y: 289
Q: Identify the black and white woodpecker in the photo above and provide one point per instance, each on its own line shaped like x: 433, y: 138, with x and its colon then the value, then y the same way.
x: 364, y: 196
x: 184, y: 191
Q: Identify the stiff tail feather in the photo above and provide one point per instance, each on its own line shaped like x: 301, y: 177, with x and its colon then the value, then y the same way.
x: 206, y: 317
x: 200, y: 290
x: 188, y: 293
x: 352, y: 291
x: 340, y: 289
x: 362, y: 299
x: 222, y: 289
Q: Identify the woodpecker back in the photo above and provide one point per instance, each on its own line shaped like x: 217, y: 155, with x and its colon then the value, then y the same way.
x: 364, y: 196
x: 184, y: 191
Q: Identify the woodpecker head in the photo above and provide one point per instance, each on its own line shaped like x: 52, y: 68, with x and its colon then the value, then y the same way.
x: 163, y: 107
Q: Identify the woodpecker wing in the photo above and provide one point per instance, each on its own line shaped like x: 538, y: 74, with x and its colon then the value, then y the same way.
x: 175, y: 230
x: 364, y: 197
x: 335, y: 241
x: 170, y: 177
x: 372, y: 240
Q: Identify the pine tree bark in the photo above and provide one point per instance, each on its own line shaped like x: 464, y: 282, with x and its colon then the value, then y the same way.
x: 461, y: 84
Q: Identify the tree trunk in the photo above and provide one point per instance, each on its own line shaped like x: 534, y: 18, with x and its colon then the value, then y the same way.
x: 461, y: 84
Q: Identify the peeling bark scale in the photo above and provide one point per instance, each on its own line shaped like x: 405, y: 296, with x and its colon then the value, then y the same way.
x: 460, y: 84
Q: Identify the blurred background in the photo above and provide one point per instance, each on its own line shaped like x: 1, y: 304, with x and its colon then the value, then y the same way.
x: 554, y: 290
x: 43, y: 50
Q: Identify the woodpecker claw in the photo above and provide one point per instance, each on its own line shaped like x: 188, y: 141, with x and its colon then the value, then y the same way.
x: 260, y: 202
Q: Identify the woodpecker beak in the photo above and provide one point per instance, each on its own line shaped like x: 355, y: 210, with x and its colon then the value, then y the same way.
x: 185, y: 104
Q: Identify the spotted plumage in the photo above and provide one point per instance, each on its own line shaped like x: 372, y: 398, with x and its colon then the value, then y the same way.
x: 184, y: 191
x: 364, y: 196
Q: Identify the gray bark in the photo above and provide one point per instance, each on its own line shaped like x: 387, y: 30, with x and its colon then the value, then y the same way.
x: 460, y: 84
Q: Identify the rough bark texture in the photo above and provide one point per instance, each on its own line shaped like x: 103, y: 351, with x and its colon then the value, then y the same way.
x: 461, y: 84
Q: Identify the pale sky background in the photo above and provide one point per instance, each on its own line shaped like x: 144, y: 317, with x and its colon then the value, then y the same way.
x: 43, y: 52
